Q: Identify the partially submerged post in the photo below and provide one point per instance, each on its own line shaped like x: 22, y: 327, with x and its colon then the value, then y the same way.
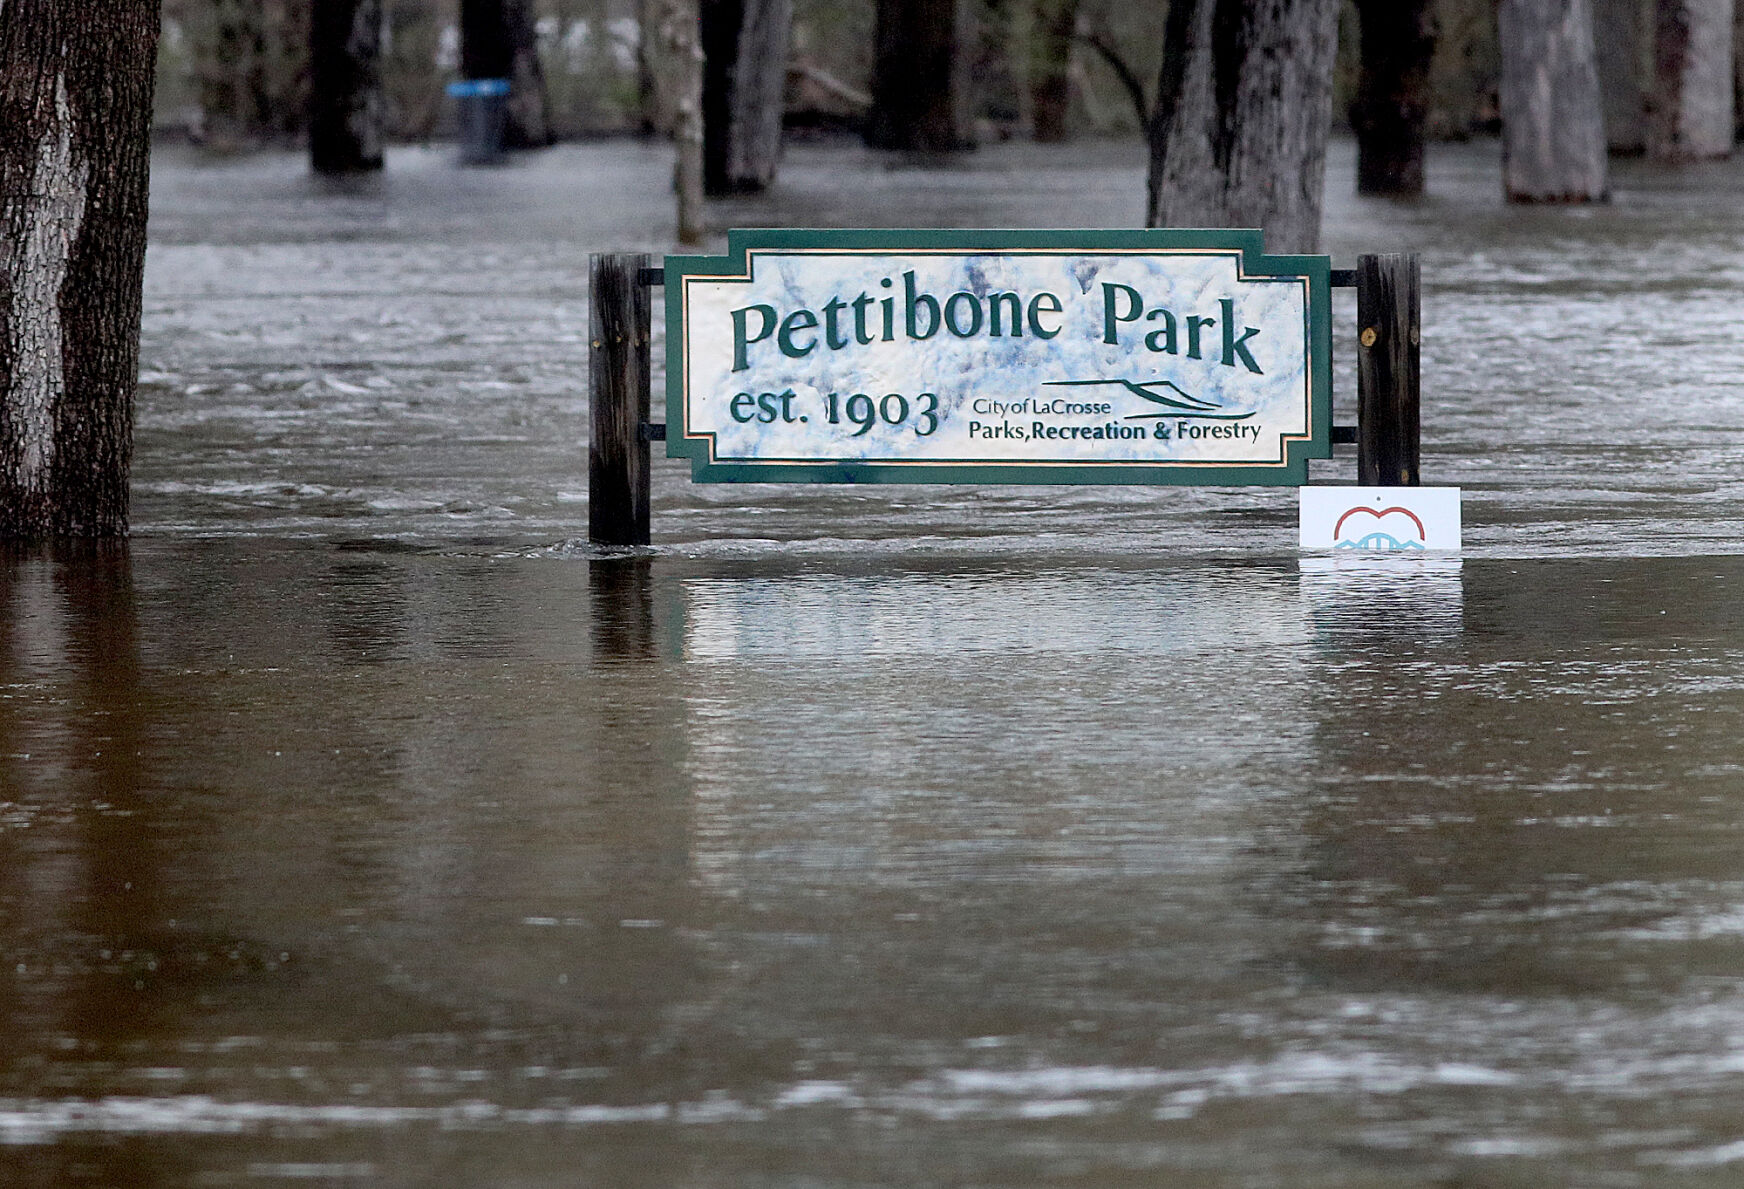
x: 1388, y: 370
x: 619, y: 331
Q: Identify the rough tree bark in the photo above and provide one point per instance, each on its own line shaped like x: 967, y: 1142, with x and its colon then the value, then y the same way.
x: 1624, y: 44
x: 75, y: 126
x: 498, y: 39
x: 346, y: 101
x: 1553, y: 128
x: 1391, y: 107
x: 1050, y: 86
x: 920, y: 77
x: 1689, y: 109
x: 744, y: 45
x: 1244, y: 100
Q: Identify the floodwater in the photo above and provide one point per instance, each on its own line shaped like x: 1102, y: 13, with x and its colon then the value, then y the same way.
x: 359, y: 825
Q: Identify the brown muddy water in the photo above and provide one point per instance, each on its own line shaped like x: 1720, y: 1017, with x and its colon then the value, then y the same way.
x: 360, y: 826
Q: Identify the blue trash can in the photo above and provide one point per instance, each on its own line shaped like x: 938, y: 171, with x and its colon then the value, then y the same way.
x: 482, y: 105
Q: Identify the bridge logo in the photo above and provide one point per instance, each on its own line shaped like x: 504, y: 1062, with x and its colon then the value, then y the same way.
x: 1388, y: 528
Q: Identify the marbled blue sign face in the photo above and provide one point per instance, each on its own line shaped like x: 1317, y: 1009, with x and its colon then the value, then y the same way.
x: 1051, y: 357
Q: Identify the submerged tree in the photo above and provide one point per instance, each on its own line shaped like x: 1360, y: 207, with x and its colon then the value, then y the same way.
x: 744, y: 45
x: 1238, y: 134
x: 250, y: 62
x: 920, y: 77
x: 1391, y: 108
x: 1624, y: 50
x: 1553, y: 133
x: 346, y: 101
x: 75, y: 125
x: 231, y: 68
x: 1055, y: 24
x: 498, y: 39
x: 675, y: 68
x: 1690, y: 107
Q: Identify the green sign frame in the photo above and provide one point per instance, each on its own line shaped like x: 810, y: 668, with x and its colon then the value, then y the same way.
x: 1245, y: 246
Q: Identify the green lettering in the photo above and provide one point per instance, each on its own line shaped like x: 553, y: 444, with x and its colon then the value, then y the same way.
x: 861, y: 334
x: 742, y: 340
x: 1233, y: 346
x: 951, y: 308
x: 798, y: 320
x: 1194, y: 323
x: 917, y: 302
x: 1036, y: 310
x: 1166, y: 334
x: 1111, y: 318
x: 834, y: 337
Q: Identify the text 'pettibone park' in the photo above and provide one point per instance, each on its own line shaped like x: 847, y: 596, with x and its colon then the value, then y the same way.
x: 965, y: 315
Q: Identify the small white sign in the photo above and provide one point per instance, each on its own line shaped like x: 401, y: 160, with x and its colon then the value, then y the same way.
x: 1380, y: 519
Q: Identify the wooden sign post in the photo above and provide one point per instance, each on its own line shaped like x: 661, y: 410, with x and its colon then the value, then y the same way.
x: 1388, y: 370
x: 620, y: 331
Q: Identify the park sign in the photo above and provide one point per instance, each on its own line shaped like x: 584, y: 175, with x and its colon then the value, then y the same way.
x: 1159, y: 356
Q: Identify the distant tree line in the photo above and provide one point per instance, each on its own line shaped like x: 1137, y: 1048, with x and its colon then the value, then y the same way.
x: 234, y: 72
x: 941, y: 75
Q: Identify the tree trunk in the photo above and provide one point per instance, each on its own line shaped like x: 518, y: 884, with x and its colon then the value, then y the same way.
x: 499, y: 39
x: 230, y: 60
x: 1244, y: 102
x: 649, y: 120
x: 1625, y: 63
x: 75, y: 127
x: 417, y: 95
x: 251, y: 67
x: 678, y: 68
x: 1553, y: 129
x: 1392, y: 98
x: 1690, y: 108
x: 920, y: 83
x: 1738, y: 71
x: 346, y: 102
x: 744, y: 45
x: 287, y: 66
x: 1050, y: 86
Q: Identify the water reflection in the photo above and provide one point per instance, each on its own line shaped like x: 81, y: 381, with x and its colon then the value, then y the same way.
x: 1380, y: 602
x: 93, y: 964
x: 727, y: 858
x: 621, y: 593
